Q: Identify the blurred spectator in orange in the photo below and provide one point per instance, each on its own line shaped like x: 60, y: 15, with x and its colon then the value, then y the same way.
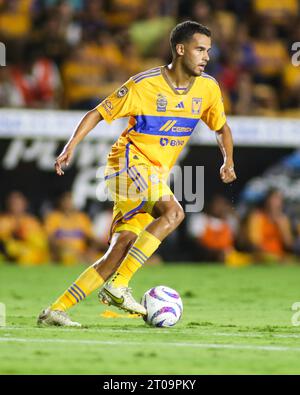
x: 280, y: 12
x: 269, y: 230
x: 22, y: 237
x: 103, y: 49
x: 270, y: 55
x: 212, y: 231
x: 70, y: 233
x: 84, y: 80
x: 15, y: 19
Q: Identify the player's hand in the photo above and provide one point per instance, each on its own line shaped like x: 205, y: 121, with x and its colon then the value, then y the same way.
x: 227, y: 172
x: 63, y: 160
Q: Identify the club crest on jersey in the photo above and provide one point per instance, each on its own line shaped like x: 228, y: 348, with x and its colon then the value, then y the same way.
x: 196, y: 105
x: 122, y: 91
x: 161, y: 103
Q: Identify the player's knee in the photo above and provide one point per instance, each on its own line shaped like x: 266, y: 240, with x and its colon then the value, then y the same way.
x: 175, y: 216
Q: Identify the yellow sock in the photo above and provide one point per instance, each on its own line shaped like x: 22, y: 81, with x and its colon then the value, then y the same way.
x: 86, y: 283
x: 142, y: 249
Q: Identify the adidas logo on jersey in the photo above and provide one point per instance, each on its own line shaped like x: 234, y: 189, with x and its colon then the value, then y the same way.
x: 180, y: 105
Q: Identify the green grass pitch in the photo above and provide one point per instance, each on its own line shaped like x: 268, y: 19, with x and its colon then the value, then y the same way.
x: 235, y: 321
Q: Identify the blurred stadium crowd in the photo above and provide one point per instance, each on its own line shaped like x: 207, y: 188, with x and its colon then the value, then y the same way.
x: 71, y: 54
x: 264, y: 234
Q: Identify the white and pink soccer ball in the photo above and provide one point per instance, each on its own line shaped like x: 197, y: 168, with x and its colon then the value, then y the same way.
x: 164, y: 306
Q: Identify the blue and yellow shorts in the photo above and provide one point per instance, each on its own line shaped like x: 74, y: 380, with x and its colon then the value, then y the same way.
x: 135, y: 188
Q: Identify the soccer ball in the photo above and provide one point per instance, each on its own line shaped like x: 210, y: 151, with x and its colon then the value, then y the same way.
x: 164, y: 306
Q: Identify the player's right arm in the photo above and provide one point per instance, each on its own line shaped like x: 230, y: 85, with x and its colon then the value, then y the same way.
x: 124, y: 102
x: 88, y: 122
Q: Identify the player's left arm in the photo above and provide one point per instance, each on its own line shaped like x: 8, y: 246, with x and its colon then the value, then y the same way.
x: 225, y: 142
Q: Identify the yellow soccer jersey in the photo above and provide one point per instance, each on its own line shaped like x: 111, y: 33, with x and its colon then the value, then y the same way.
x: 161, y: 117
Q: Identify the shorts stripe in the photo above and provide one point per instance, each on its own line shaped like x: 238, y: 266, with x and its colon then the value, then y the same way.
x: 140, y: 178
x: 136, y: 179
x: 132, y: 212
x: 133, y: 178
x: 127, y: 155
x: 109, y: 176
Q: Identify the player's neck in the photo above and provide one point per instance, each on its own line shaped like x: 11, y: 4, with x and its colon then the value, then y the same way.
x: 177, y: 76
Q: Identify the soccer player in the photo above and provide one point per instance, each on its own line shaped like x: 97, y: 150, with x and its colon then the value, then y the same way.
x: 164, y: 105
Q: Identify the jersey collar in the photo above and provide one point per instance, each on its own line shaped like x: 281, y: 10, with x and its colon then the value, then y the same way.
x: 177, y: 92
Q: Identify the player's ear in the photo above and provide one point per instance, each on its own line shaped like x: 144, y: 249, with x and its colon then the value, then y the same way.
x: 180, y: 49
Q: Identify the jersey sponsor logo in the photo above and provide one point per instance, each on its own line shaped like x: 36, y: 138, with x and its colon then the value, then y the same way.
x: 161, y: 103
x: 170, y: 125
x: 167, y: 125
x: 196, y: 105
x: 122, y: 91
x: 173, y: 143
x: 164, y: 141
x: 176, y: 143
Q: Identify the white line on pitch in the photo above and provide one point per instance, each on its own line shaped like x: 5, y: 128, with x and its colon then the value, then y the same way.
x: 157, y: 331
x: 158, y: 344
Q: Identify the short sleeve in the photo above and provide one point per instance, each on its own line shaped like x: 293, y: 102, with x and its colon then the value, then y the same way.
x: 214, y: 116
x: 123, y: 102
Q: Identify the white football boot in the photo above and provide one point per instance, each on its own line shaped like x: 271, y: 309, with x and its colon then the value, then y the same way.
x: 50, y: 317
x: 122, y: 298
